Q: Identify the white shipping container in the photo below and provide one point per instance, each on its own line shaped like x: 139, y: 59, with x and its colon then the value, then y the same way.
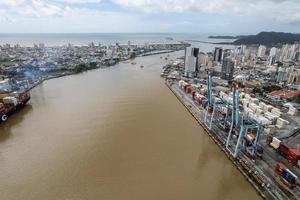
x: 276, y: 141
x: 259, y: 111
x: 10, y: 100
x: 292, y: 111
x: 274, y: 146
x: 254, y: 100
x: 253, y: 107
x: 262, y: 105
x: 247, y: 96
x: 263, y: 121
x: 276, y: 112
x: 271, y: 117
x: 281, y: 123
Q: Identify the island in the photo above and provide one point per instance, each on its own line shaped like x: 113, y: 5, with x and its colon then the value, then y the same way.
x: 264, y: 38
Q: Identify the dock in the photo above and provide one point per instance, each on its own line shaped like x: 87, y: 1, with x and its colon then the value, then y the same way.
x: 264, y: 186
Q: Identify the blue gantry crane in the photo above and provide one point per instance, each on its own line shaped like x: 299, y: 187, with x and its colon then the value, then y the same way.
x: 245, y: 130
x: 243, y: 133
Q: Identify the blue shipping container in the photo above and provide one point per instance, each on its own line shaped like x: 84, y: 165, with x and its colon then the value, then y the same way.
x: 289, y: 177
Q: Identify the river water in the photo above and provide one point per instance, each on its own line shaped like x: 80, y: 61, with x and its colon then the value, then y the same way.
x: 113, y: 134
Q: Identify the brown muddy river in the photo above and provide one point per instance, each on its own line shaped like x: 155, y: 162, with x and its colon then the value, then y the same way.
x: 112, y: 134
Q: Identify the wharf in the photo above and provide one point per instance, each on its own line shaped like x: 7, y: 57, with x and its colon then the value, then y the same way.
x: 248, y: 170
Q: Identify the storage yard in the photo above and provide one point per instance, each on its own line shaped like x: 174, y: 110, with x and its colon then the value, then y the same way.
x: 260, y: 139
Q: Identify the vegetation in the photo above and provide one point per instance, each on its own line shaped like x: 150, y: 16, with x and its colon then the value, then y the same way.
x: 8, y: 63
x: 269, y: 38
x: 84, y: 67
x: 271, y: 88
x: 266, y: 89
x: 297, y: 100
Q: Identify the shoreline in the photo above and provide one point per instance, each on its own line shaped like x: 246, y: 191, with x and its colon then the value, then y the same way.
x: 100, y: 67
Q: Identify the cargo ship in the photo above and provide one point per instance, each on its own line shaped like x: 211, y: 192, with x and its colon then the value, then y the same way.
x: 12, y: 102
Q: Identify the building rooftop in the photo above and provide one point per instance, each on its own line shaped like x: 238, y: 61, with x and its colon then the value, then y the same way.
x: 290, y: 94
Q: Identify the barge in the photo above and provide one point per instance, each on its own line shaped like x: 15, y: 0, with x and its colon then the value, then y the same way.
x: 11, y: 103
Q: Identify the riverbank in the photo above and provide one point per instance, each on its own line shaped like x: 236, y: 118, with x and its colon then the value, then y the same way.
x: 32, y: 86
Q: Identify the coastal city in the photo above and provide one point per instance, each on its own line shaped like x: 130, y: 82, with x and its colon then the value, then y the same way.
x: 23, y: 68
x: 247, y: 98
x: 149, y: 100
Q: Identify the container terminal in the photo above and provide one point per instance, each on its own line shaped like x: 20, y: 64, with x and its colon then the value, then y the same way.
x: 261, y: 137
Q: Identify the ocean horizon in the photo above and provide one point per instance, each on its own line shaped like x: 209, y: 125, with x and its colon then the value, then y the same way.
x: 80, y: 39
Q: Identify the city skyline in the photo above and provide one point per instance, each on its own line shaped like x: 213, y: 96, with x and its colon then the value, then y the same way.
x: 114, y: 16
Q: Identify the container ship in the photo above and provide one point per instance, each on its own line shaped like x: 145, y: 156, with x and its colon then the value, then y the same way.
x: 12, y: 102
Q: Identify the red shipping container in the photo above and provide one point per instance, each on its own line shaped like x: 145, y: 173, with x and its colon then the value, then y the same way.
x: 283, y: 150
x: 294, y: 153
x: 280, y: 168
x: 293, y: 156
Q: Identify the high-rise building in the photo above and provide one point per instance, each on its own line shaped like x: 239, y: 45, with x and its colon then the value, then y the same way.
x: 297, y: 56
x: 191, y: 62
x: 218, y: 54
x: 273, y: 51
x: 283, y: 74
x: 294, y: 77
x: 202, y: 59
x: 227, y: 69
x: 261, y: 51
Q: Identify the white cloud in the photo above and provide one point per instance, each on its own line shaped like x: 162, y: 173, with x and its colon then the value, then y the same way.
x: 282, y: 10
x: 79, y: 1
x: 80, y: 16
x: 31, y: 8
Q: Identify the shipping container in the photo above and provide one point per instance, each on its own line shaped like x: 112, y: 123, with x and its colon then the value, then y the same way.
x: 254, y: 100
x: 289, y: 176
x: 280, y: 123
x: 283, y: 150
x: 275, y: 143
x: 292, y: 111
x: 293, y: 156
x: 280, y: 167
x: 262, y: 105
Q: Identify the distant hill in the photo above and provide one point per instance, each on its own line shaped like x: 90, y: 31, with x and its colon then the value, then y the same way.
x: 268, y: 38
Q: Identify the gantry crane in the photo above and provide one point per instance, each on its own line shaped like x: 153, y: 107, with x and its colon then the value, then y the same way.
x: 241, y: 127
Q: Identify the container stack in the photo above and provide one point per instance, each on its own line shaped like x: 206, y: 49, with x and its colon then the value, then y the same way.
x: 10, y: 100
x: 289, y: 177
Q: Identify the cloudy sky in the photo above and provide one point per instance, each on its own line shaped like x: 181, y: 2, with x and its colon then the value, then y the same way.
x: 204, y: 16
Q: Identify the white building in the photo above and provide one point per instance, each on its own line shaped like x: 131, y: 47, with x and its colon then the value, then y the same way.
x: 273, y: 52
x: 261, y: 51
